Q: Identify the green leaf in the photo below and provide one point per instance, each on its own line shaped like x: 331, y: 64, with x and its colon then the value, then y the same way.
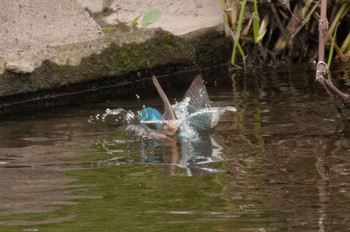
x: 241, y: 52
x: 150, y: 17
x: 134, y: 21
x: 122, y: 26
x: 256, y: 22
x: 260, y: 37
x: 108, y: 30
x: 331, y: 50
x: 238, y: 31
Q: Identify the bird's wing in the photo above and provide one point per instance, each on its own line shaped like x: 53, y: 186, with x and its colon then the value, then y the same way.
x: 169, y: 113
x: 197, y: 95
x: 144, y: 131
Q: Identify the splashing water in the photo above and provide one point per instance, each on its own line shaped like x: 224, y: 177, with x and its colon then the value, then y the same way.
x: 190, y: 143
x: 188, y: 123
x: 193, y: 143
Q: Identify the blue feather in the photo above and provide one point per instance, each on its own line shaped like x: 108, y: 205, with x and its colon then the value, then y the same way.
x: 150, y: 114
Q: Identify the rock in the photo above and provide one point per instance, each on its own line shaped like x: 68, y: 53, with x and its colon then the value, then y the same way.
x: 57, y: 44
x: 110, y: 56
x: 28, y: 27
x: 35, y: 24
x: 178, y: 17
x: 19, y: 66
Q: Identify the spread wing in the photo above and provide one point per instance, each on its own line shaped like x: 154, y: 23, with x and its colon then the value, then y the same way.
x: 145, y: 131
x: 169, y: 113
x: 197, y: 95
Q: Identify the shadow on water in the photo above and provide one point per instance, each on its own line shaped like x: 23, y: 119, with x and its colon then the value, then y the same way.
x: 280, y: 163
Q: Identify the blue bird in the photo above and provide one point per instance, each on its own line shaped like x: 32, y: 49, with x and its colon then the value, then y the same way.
x: 185, y: 118
x: 183, y: 130
x: 150, y: 114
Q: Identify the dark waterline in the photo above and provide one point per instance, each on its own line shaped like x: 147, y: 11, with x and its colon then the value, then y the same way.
x: 283, y: 164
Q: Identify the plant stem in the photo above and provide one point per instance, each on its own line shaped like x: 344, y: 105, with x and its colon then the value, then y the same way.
x: 322, y: 31
x: 330, y: 54
x: 346, y: 44
x: 238, y: 31
x: 337, y: 18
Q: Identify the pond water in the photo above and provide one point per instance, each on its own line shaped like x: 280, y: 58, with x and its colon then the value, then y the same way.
x: 281, y: 162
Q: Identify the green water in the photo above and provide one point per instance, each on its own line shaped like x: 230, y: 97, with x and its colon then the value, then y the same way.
x: 141, y: 197
x: 137, y: 197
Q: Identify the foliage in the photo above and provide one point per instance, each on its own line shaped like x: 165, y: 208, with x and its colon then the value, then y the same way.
x: 134, y: 21
x: 108, y: 30
x: 150, y: 17
x: 283, y: 31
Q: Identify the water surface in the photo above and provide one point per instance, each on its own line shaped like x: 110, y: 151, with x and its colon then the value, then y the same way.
x: 280, y: 163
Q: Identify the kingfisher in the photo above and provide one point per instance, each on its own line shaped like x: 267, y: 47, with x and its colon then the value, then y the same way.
x: 184, y: 119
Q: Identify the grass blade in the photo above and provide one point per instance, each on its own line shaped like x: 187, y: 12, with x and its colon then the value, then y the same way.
x: 330, y: 54
x: 238, y: 31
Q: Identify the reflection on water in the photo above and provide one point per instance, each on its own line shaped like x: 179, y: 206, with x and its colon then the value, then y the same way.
x: 182, y: 132
x: 280, y: 163
x: 195, y: 156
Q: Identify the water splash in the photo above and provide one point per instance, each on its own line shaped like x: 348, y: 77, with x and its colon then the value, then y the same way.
x: 114, y: 117
x: 193, y: 145
x: 183, y: 130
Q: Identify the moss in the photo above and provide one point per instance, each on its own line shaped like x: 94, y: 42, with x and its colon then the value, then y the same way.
x: 163, y: 48
x: 150, y: 49
x: 108, y: 30
x: 131, y: 56
x: 168, y: 42
x: 118, y: 60
x: 115, y: 60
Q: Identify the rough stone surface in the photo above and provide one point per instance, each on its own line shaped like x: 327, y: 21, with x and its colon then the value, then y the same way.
x: 179, y: 17
x: 110, y: 56
x: 50, y: 44
x: 36, y: 24
x: 30, y: 27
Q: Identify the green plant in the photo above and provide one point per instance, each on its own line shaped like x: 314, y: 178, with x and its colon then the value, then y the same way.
x: 108, y: 30
x: 150, y: 17
x: 274, y: 32
x: 258, y: 34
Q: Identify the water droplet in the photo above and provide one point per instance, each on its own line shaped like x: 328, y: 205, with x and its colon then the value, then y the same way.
x: 91, y: 119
